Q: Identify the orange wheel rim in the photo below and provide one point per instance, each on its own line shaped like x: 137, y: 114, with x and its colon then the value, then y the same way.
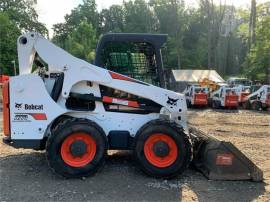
x: 153, y: 158
x: 85, y: 158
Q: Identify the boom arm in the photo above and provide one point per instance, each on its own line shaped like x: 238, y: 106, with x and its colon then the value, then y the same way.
x: 76, y: 70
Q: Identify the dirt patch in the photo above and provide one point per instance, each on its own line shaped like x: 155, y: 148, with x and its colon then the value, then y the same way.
x: 25, y: 176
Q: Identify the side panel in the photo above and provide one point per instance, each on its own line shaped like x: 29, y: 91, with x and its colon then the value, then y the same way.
x: 31, y: 107
x: 112, y: 121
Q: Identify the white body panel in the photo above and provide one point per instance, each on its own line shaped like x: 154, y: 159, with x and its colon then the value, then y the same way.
x: 30, y: 89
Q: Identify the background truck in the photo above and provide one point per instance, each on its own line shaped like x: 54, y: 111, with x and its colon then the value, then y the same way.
x: 77, y: 111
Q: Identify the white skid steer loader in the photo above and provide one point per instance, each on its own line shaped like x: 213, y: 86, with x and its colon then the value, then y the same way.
x: 258, y: 100
x: 77, y: 111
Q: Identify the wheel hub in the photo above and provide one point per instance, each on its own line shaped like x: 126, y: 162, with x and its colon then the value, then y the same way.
x: 78, y: 148
x: 161, y: 149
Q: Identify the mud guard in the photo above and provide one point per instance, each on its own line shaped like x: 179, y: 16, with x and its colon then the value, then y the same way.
x: 221, y: 160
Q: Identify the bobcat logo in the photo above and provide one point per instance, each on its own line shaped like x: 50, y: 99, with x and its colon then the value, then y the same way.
x: 172, y: 101
x: 18, y: 106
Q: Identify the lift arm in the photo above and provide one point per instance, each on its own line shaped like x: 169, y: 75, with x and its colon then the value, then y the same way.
x: 76, y: 70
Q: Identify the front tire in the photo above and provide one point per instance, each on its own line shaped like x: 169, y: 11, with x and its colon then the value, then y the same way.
x: 162, y: 149
x: 76, y: 148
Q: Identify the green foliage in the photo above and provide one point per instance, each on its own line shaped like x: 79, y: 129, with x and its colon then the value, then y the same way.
x: 258, y: 59
x: 85, y: 12
x: 211, y: 35
x: 172, y: 20
x: 82, y: 41
x: 8, y: 50
x: 23, y: 14
x: 192, y: 33
x: 195, y: 42
x: 112, y: 19
x: 138, y: 17
x: 16, y: 16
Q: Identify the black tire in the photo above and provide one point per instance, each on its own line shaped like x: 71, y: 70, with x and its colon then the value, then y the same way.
x: 264, y: 107
x: 59, y: 134
x: 215, y: 104
x: 182, y: 141
x: 256, y: 105
x: 246, y: 105
x: 188, y: 104
x: 210, y: 102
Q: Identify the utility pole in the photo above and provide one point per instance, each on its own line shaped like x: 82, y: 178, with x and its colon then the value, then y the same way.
x: 14, y: 66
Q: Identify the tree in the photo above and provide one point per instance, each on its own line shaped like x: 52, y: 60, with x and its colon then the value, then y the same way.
x: 112, y: 19
x: 194, y: 42
x: 82, y: 42
x: 85, y: 12
x: 252, y: 24
x: 172, y: 19
x: 23, y: 14
x: 258, y: 59
x: 8, y: 51
x: 138, y: 17
x: 16, y: 16
x: 213, y: 18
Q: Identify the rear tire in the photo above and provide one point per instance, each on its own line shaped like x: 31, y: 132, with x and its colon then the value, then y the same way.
x: 162, y: 149
x: 188, y: 104
x: 246, y: 105
x: 76, y: 148
x: 215, y: 104
x: 256, y: 105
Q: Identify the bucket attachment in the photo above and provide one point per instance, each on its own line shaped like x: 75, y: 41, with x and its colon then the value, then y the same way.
x: 221, y: 160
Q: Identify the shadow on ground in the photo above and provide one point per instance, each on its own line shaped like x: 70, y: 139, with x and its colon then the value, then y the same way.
x: 26, y: 177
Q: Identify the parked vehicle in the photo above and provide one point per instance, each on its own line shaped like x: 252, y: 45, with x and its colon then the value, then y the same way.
x: 224, y: 97
x: 235, y: 81
x: 196, y: 95
x: 242, y: 92
x: 77, y: 111
x: 259, y: 99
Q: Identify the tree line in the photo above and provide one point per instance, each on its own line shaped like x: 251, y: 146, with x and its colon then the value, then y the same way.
x: 233, y: 41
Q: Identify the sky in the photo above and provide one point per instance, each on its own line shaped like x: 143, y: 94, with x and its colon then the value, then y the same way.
x: 53, y: 11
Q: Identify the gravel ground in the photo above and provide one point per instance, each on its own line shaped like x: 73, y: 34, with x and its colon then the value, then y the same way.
x: 25, y: 176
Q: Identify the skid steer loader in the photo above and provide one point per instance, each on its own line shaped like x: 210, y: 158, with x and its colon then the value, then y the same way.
x: 224, y: 97
x: 259, y: 99
x: 242, y: 92
x: 196, y: 96
x: 77, y: 111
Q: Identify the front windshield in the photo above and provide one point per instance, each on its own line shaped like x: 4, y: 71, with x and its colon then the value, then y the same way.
x: 230, y: 91
x: 242, y: 82
x: 200, y: 90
